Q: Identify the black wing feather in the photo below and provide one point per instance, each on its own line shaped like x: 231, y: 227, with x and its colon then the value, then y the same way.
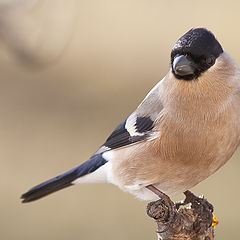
x: 120, y: 136
x: 144, y: 124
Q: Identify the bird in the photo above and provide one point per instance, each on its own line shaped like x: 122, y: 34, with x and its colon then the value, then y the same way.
x: 184, y: 130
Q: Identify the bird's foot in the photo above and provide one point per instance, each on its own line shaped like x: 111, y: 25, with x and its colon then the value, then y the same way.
x: 167, y: 215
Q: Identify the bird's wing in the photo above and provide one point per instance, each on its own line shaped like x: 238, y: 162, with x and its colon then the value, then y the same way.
x: 139, y: 126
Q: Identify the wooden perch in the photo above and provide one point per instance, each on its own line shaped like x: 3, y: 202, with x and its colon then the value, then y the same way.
x: 194, y: 222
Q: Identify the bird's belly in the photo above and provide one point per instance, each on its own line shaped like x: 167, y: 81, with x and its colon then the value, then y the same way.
x: 174, y: 162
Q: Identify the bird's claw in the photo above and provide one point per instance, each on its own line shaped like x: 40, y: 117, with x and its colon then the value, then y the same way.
x: 166, y: 214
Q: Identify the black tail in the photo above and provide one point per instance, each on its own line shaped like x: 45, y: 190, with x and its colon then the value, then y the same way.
x: 64, y: 180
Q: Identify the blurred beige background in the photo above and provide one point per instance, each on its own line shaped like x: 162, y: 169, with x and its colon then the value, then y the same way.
x: 70, y: 72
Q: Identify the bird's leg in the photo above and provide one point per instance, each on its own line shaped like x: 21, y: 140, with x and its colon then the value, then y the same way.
x: 167, y: 201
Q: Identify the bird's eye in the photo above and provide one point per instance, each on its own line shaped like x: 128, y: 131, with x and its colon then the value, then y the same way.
x: 210, y: 60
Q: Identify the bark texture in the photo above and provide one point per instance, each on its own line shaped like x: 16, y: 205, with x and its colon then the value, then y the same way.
x: 192, y: 219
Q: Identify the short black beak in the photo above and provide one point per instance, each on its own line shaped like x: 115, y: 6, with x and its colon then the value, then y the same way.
x: 182, y: 66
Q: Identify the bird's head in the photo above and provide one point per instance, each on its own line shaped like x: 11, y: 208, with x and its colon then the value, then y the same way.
x: 194, y: 53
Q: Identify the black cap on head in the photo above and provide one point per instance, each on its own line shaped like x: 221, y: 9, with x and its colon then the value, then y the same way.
x: 200, y: 48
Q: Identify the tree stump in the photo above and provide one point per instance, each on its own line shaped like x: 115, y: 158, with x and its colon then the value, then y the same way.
x: 192, y: 219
